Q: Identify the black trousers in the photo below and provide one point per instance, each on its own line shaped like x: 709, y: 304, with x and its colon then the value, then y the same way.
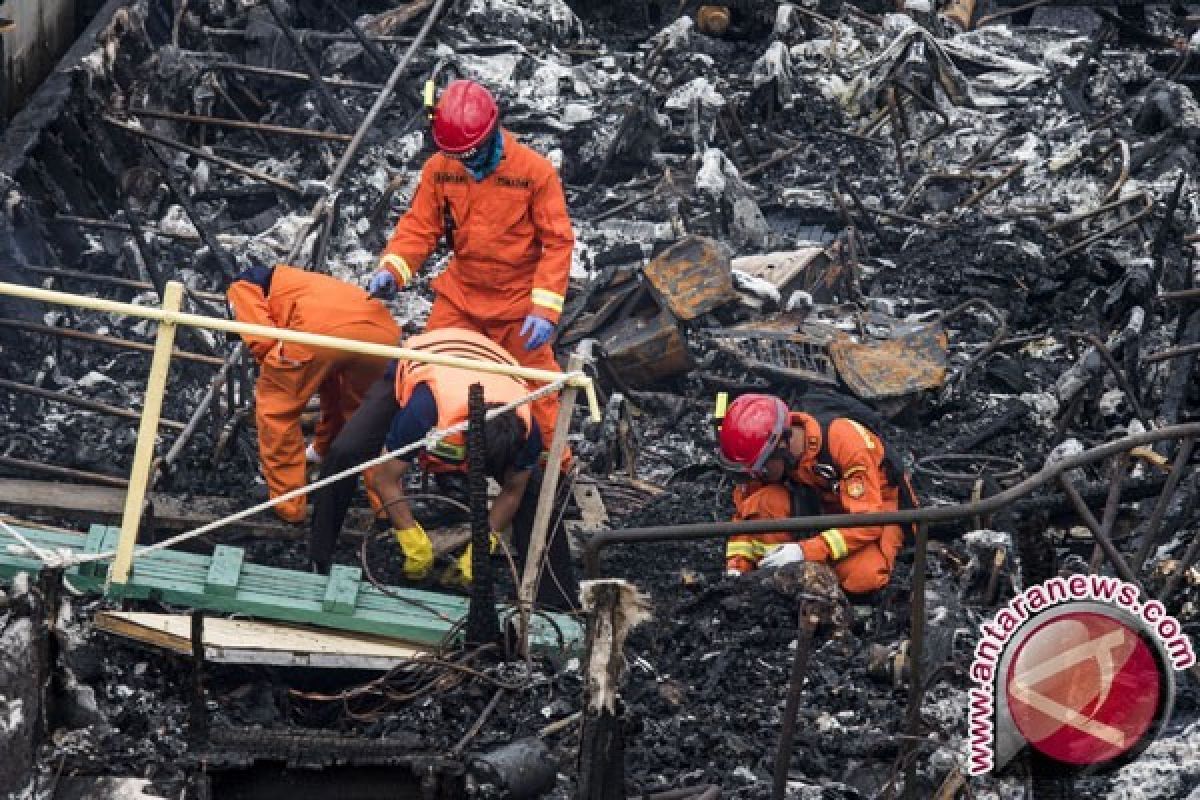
x: 362, y: 439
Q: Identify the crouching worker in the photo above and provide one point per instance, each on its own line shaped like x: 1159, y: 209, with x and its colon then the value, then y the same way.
x: 426, y: 397
x: 835, y: 460
x: 290, y: 374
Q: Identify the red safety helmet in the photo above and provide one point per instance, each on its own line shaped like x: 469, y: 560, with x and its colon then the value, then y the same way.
x: 465, y: 117
x: 751, y: 431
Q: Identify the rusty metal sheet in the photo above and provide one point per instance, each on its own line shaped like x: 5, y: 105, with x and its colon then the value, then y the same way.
x: 645, y: 350
x: 783, y: 269
x: 909, y: 363
x: 692, y: 277
x: 782, y: 347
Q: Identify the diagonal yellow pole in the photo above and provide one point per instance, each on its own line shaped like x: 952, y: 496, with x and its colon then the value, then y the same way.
x: 143, y: 454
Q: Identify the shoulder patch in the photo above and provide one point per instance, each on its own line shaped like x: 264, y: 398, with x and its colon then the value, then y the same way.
x: 856, y: 487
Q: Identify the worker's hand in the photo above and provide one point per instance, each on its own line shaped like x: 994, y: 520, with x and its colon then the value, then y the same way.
x: 382, y: 284
x: 538, y: 330
x: 417, y: 549
x: 784, y: 554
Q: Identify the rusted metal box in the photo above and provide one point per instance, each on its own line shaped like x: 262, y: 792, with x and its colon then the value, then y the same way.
x: 692, y: 277
x: 643, y: 350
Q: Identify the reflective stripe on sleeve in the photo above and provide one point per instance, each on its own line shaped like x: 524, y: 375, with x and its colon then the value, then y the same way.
x: 395, y: 262
x: 837, y: 544
x: 750, y: 550
x: 548, y: 299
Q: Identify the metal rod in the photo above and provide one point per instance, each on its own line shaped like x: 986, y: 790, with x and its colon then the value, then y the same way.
x: 380, y: 56
x: 66, y: 473
x: 809, y: 619
x: 309, y: 33
x: 80, y: 402
x: 994, y: 184
x: 93, y: 277
x: 287, y: 74
x: 1173, y: 352
x: 224, y: 122
x: 164, y: 464
x: 99, y: 338
x: 331, y: 104
x: 86, y: 222
x: 986, y: 506
x: 1150, y: 539
x: 916, y: 651
x: 1106, y: 354
x: 1111, y: 553
x: 232, y: 166
x: 1182, y: 296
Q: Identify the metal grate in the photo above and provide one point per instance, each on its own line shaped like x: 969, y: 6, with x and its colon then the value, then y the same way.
x: 802, y: 355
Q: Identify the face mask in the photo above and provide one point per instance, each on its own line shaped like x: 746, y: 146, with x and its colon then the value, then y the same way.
x: 484, y: 162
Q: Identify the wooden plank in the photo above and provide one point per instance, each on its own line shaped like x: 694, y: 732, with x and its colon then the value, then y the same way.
x: 341, y: 592
x: 340, y: 602
x: 224, y: 570
x: 91, y: 504
x: 239, y: 641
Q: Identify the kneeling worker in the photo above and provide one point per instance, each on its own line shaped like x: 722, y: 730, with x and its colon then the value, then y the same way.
x: 842, y: 461
x: 429, y: 397
x: 290, y: 374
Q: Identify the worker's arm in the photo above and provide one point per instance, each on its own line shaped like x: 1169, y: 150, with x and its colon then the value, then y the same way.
x: 553, y: 226
x: 388, y: 482
x: 417, y: 233
x: 858, y: 454
x: 248, y: 299
x: 505, y: 506
x: 752, y: 501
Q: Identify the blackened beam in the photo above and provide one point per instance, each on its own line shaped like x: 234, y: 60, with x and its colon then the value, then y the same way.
x: 1173, y: 352
x: 984, y: 507
x: 112, y: 280
x: 307, y: 33
x: 67, y: 473
x: 108, y: 341
x: 88, y: 222
x: 221, y: 161
x: 81, y: 402
x: 222, y: 122
x: 287, y: 74
x: 380, y: 56
x: 331, y: 103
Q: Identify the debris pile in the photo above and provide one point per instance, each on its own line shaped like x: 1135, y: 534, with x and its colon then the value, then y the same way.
x: 985, y: 227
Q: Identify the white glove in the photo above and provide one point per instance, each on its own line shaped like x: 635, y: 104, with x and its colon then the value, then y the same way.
x: 732, y: 573
x: 784, y: 554
x: 311, y: 455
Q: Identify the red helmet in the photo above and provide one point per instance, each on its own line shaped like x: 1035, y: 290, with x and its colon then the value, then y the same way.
x: 751, y: 431
x: 465, y: 117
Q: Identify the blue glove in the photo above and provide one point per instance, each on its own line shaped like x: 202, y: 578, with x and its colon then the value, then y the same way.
x: 382, y: 284
x: 539, y: 331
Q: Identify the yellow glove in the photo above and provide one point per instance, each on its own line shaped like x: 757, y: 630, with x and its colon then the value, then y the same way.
x: 461, y: 573
x: 417, y: 549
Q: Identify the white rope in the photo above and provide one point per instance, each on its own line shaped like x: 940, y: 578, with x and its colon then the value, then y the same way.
x: 428, y: 441
x: 51, y: 558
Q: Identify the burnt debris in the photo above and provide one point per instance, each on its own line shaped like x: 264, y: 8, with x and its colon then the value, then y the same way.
x: 980, y: 220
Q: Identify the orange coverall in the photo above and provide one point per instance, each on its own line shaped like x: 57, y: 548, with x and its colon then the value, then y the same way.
x: 512, y: 242
x: 290, y: 374
x: 862, y: 557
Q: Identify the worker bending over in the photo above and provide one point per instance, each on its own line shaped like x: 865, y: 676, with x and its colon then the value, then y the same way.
x: 428, y: 397
x: 501, y: 208
x: 290, y: 374
x: 844, y: 463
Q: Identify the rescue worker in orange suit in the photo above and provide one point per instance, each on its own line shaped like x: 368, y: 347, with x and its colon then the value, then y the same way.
x: 844, y: 463
x: 428, y: 397
x: 290, y: 374
x: 501, y: 208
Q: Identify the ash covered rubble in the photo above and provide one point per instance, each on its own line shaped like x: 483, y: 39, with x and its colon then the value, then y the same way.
x: 806, y: 198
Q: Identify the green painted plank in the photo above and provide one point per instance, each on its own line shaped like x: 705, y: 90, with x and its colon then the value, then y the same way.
x: 341, y: 591
x: 224, y: 569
